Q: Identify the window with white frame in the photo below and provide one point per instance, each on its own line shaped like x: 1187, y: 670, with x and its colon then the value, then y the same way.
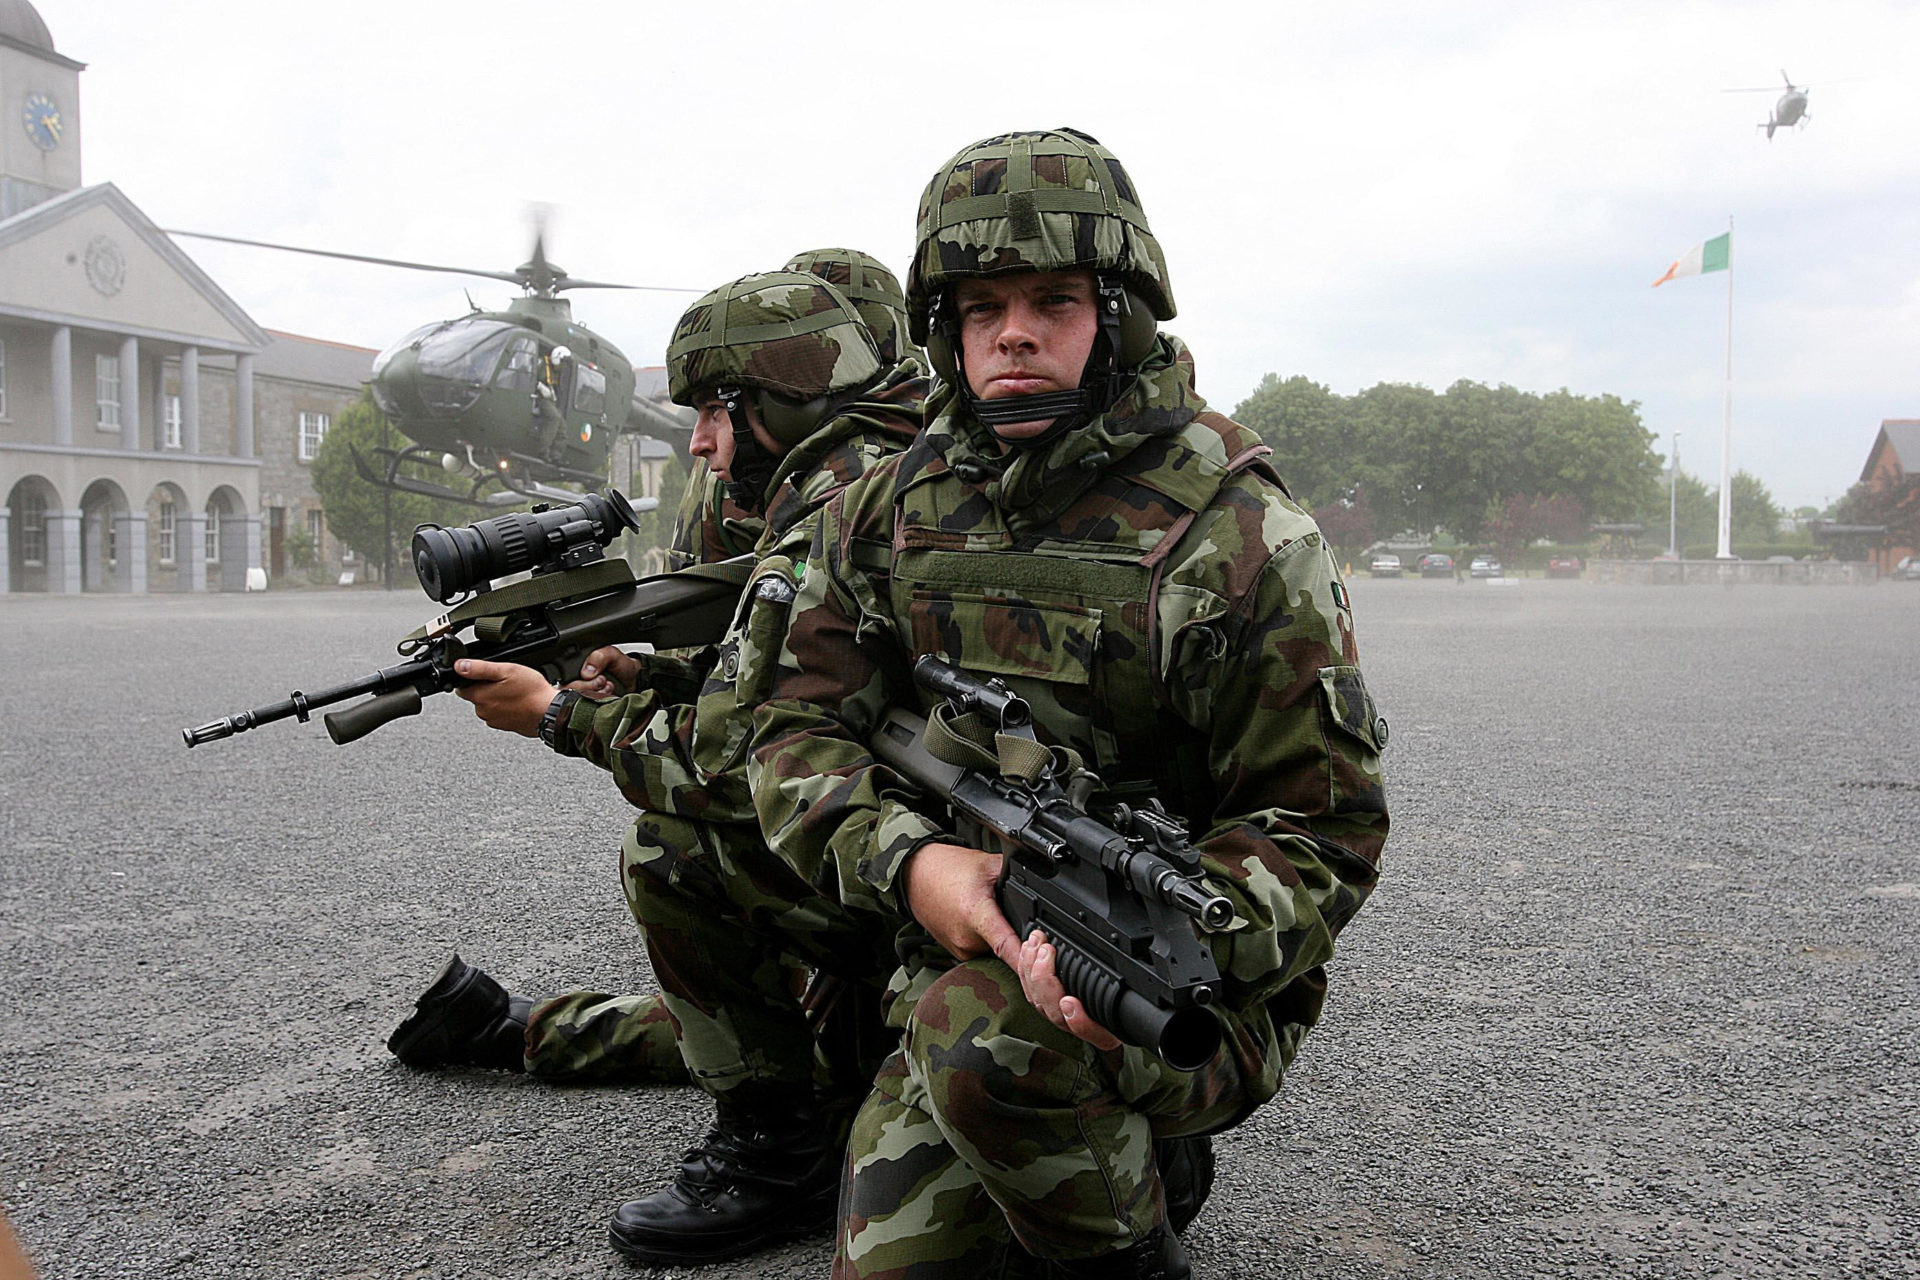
x: 33, y: 528
x: 3, y: 377
x: 170, y: 424
x: 166, y: 533
x: 313, y: 429
x: 213, y: 533
x: 106, y: 392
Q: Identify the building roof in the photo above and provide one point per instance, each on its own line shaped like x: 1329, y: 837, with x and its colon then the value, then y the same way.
x: 1901, y: 437
x: 22, y: 28
x: 302, y: 359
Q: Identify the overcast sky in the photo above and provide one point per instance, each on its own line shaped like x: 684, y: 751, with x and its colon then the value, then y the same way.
x: 1357, y: 193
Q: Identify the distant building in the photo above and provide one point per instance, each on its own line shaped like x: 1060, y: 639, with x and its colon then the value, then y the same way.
x: 1895, y: 453
x: 152, y: 436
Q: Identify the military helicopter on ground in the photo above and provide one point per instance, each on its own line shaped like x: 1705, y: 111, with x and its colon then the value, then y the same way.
x: 1791, y: 109
x: 525, y: 398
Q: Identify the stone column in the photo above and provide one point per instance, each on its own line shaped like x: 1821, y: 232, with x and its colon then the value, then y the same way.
x: 190, y: 549
x: 93, y: 549
x: 6, y: 552
x: 243, y: 410
x: 63, y: 552
x: 190, y: 401
x: 61, y: 369
x: 130, y: 393
x: 130, y: 532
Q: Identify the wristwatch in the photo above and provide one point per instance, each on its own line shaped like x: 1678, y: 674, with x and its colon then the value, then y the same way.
x: 550, y: 722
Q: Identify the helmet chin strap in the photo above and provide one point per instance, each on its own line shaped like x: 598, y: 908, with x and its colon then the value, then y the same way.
x: 753, y: 467
x: 1101, y: 380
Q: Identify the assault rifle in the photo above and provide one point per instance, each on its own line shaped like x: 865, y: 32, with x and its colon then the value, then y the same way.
x: 575, y: 602
x: 1119, y: 892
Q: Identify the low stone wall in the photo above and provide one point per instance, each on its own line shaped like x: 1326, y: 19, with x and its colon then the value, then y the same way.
x: 1690, y: 573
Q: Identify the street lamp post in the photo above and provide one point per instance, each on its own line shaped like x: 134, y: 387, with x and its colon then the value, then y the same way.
x: 1673, y: 500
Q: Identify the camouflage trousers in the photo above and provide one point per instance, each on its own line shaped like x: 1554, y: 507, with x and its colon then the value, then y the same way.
x: 594, y: 1037
x: 732, y: 930
x: 991, y: 1128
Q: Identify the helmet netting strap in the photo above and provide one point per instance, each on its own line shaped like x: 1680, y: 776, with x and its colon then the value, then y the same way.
x: 753, y: 465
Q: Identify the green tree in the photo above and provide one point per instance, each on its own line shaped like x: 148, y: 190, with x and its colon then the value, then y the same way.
x: 1756, y: 518
x: 1311, y: 435
x: 357, y: 511
x: 1595, y: 450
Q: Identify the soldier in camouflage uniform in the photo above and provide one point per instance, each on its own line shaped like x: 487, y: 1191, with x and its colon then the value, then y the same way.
x: 1076, y: 522
x: 793, y: 406
x: 594, y: 1037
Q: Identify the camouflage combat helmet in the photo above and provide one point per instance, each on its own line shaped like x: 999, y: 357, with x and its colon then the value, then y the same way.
x: 1047, y: 200
x: 789, y: 341
x: 874, y: 292
x: 786, y: 334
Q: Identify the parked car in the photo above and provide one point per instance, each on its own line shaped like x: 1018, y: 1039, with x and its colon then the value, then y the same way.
x: 1385, y: 566
x: 1436, y: 564
x: 1485, y: 567
x: 1908, y: 570
x: 1564, y: 567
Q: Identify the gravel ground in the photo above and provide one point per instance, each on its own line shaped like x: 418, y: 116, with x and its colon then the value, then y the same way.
x: 1637, y: 997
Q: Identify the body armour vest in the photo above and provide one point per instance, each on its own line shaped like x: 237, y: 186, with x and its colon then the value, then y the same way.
x: 1067, y: 609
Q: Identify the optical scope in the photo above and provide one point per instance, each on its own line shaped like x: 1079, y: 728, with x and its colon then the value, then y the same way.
x: 452, y: 562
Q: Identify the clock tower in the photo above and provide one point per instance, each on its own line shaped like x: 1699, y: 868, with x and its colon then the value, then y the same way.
x: 39, y: 112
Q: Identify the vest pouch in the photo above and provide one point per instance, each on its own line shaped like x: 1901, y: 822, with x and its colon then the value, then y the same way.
x: 1045, y: 651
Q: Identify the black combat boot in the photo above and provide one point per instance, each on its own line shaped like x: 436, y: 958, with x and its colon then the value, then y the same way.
x: 1160, y: 1256
x: 1186, y: 1176
x: 464, y: 1018
x: 766, y: 1171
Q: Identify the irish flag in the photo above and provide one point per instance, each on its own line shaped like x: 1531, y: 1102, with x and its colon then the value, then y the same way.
x: 1702, y: 258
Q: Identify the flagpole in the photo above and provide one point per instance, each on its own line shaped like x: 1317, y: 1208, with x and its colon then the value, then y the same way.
x: 1726, y: 426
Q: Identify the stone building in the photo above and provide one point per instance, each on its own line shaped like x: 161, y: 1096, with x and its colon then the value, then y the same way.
x: 153, y: 437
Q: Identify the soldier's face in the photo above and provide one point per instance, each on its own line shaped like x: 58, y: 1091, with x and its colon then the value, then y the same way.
x: 713, y: 432
x: 1025, y: 334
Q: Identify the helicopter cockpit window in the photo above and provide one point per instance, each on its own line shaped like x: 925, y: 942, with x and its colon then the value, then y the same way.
x: 589, y: 390
x: 517, y: 373
x: 466, y: 350
x: 385, y: 357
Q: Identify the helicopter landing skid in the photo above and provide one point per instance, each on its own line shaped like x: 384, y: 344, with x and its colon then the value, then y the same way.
x: 393, y: 479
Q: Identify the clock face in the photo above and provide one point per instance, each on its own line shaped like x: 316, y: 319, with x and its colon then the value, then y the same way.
x: 41, y: 118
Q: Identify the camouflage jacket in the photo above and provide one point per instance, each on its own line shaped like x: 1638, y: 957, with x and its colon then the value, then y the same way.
x: 710, y: 526
x: 1175, y: 618
x: 688, y: 757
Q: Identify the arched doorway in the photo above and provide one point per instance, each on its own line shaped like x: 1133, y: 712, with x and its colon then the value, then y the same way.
x: 103, y: 528
x: 30, y: 545
x: 228, y: 549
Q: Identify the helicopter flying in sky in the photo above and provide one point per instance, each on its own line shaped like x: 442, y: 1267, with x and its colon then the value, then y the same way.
x: 1791, y: 109
x: 526, y: 398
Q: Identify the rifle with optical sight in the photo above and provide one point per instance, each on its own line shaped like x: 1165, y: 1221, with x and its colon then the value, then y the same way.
x: 576, y: 601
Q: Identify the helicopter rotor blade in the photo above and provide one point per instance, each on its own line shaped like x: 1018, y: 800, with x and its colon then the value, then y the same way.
x: 508, y: 276
x: 568, y: 282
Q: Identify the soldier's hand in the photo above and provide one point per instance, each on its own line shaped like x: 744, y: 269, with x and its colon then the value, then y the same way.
x: 950, y: 892
x: 506, y: 695
x: 607, y: 673
x: 1042, y: 985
